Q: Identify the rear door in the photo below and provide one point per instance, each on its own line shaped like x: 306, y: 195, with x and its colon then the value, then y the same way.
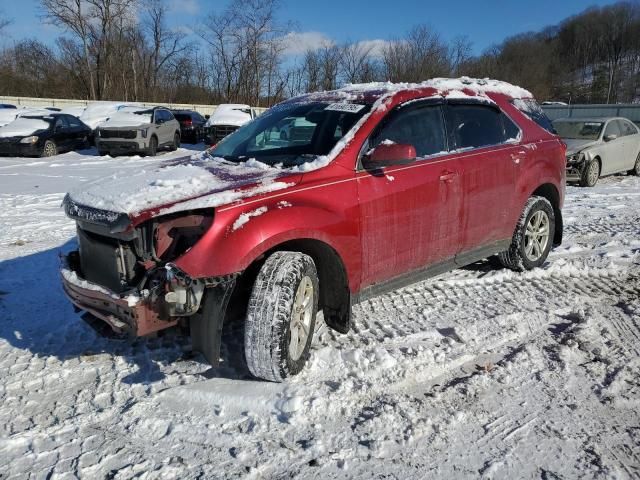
x: 77, y: 131
x: 489, y: 161
x: 409, y: 213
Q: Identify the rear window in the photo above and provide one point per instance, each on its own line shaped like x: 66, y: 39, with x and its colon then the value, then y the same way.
x: 531, y: 109
x: 181, y: 117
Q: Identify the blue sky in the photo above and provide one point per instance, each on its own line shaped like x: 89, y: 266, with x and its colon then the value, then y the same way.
x: 485, y: 22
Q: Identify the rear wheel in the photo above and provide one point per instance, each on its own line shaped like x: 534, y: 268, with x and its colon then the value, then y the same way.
x: 636, y: 168
x: 590, y: 174
x: 533, y: 237
x: 153, y: 147
x: 49, y: 149
x: 281, y: 316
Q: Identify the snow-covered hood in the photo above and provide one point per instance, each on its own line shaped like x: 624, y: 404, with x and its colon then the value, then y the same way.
x: 127, y: 119
x: 22, y: 127
x: 182, y: 184
x: 575, y: 145
x: 229, y: 115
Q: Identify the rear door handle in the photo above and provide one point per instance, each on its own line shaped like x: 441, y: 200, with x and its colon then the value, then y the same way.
x: 448, y: 176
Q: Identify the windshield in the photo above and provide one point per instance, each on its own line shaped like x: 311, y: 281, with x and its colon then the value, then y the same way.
x: 291, y: 134
x: 579, y: 130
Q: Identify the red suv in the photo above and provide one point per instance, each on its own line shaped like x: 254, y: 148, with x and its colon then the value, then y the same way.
x: 323, y: 201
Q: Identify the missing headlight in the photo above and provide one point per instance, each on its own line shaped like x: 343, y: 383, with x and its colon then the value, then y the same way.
x: 174, y: 235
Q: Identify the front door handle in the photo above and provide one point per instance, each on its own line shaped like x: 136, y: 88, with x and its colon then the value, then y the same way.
x: 448, y: 176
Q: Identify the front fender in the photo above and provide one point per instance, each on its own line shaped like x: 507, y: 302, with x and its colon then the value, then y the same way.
x: 241, y: 234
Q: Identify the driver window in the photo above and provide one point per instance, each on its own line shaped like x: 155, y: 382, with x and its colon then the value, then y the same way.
x: 420, y: 126
x: 612, y: 129
x: 60, y: 123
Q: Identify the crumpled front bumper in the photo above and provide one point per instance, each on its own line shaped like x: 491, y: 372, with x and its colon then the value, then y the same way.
x: 574, y: 170
x: 128, y: 314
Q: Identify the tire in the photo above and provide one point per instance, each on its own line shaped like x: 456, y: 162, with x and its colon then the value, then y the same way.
x: 285, y: 281
x: 636, y: 168
x: 152, y: 150
x: 176, y: 142
x: 49, y: 149
x: 590, y: 174
x: 523, y: 254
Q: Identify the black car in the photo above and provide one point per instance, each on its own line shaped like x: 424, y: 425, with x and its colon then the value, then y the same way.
x: 7, y: 105
x: 43, y: 135
x: 191, y: 125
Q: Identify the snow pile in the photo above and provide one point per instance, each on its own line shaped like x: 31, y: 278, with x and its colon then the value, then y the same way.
x: 22, y: 127
x: 230, y: 114
x: 128, y: 118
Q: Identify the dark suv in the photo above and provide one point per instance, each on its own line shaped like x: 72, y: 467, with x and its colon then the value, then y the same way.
x: 191, y: 125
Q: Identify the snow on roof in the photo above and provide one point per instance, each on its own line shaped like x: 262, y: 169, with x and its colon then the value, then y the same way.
x: 480, y: 86
x: 230, y: 114
x: 128, y: 117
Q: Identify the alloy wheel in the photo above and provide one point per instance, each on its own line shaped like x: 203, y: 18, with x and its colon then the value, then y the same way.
x: 301, y: 316
x: 536, y: 237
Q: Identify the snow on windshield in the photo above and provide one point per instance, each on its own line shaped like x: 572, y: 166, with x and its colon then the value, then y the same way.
x: 23, y: 126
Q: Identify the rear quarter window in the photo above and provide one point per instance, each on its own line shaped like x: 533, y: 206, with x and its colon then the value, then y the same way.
x: 531, y: 109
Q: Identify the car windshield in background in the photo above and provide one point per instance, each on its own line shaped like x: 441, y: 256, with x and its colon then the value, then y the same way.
x: 291, y: 134
x: 578, y: 130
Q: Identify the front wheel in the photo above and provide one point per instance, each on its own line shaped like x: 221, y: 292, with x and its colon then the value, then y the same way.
x: 590, y: 174
x: 533, y: 237
x: 281, y: 316
x: 176, y: 142
x: 49, y: 149
x: 153, y: 147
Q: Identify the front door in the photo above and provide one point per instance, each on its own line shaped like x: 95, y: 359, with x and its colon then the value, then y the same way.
x: 409, y: 213
x: 614, y: 154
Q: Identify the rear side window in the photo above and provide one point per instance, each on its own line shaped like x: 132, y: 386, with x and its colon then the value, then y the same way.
x: 475, y: 126
x: 73, y: 121
x: 420, y: 126
x: 168, y: 115
x: 182, y: 116
x: 627, y: 128
x: 531, y: 109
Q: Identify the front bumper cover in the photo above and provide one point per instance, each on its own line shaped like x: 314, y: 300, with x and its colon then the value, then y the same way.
x: 128, y: 314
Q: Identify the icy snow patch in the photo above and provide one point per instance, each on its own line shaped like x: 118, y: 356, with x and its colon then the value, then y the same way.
x: 245, y: 217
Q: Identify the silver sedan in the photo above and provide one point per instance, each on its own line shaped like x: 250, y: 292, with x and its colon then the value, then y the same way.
x: 598, y: 147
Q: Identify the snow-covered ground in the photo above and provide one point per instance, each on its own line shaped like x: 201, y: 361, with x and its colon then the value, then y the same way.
x: 481, y: 372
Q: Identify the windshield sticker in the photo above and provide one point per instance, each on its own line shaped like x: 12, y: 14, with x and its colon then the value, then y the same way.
x: 345, y: 107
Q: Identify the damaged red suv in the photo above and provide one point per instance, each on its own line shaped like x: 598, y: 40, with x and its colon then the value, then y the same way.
x: 321, y: 202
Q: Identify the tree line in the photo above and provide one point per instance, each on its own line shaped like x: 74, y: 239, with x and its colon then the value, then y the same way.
x: 126, y: 50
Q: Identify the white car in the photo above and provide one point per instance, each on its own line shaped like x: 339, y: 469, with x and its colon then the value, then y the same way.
x: 226, y: 119
x: 599, y: 146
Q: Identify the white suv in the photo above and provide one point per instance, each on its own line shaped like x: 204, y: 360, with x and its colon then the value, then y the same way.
x: 132, y: 130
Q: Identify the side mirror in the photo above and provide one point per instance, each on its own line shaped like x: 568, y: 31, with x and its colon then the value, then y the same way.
x: 608, y: 138
x: 207, y: 117
x: 389, y: 154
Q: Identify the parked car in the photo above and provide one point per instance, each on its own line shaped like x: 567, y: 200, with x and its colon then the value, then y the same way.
x: 226, y: 119
x: 599, y: 146
x: 192, y: 125
x: 43, y: 135
x: 394, y: 184
x: 7, y: 105
x: 138, y: 131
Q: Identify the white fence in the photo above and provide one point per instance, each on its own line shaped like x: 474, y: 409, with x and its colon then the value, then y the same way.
x: 64, y: 103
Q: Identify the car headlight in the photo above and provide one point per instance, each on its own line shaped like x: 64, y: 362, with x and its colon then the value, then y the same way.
x: 30, y: 140
x: 143, y: 132
x: 575, y: 158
